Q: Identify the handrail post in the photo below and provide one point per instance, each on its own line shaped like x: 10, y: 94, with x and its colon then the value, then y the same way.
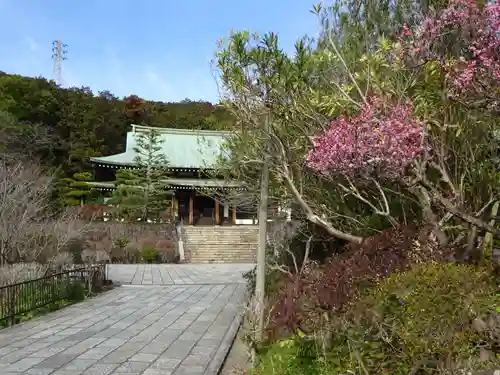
x: 12, y: 307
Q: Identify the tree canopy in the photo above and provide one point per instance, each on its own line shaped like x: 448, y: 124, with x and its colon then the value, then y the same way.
x: 64, y: 127
x: 374, y: 127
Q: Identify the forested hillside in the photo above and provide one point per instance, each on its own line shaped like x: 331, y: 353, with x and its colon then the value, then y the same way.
x: 63, y: 127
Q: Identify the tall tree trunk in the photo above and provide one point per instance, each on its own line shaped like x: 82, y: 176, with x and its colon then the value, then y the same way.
x: 261, y: 252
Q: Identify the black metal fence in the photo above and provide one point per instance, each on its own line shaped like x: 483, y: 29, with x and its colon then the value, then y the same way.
x: 21, y: 298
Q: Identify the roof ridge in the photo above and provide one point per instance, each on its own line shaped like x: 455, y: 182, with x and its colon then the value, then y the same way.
x: 181, y: 131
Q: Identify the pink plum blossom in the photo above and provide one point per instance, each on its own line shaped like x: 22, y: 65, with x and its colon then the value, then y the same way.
x: 382, y: 139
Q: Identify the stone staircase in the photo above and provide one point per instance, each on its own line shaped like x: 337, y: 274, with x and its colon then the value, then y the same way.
x: 220, y: 244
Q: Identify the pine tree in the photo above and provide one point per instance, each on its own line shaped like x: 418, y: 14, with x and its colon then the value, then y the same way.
x: 141, y: 192
x: 76, y: 190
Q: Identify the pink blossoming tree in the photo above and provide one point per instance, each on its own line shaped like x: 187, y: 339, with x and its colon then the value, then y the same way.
x: 383, y: 139
x: 428, y: 130
x: 465, y: 39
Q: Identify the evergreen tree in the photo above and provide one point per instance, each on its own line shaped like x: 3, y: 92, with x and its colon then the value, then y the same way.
x: 141, y: 192
x: 76, y: 190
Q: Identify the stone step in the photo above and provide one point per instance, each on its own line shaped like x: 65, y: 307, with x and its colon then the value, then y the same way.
x: 201, y: 238
x: 220, y: 239
x: 218, y: 262
x: 221, y: 244
x: 221, y: 231
x: 223, y: 255
x: 219, y: 250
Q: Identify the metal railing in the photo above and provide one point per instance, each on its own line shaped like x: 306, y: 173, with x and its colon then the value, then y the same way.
x: 23, y: 297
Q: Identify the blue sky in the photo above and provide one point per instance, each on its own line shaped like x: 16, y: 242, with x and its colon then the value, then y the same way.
x: 157, y: 49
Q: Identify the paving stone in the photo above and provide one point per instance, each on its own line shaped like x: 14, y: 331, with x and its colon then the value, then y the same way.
x: 78, y: 365
x: 118, y: 356
x: 112, y: 343
x: 132, y: 367
x: 179, y: 349
x: 143, y: 330
x: 144, y: 357
x: 39, y: 371
x: 166, y: 363
x: 196, y: 360
x: 94, y: 353
x: 100, y: 369
x: 200, y: 350
x: 189, y: 370
x: 12, y: 357
x: 6, y: 350
x: 151, y: 371
x: 24, y: 364
x: 56, y: 361
x: 46, y: 352
x: 168, y: 274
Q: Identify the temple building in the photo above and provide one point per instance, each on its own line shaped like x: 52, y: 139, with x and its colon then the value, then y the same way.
x: 197, y: 198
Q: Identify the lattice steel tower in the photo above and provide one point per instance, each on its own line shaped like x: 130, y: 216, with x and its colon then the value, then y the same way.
x: 59, y: 54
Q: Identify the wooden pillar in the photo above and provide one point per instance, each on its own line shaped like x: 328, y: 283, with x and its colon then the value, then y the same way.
x: 191, y: 204
x: 172, y: 208
x: 234, y: 215
x: 217, y: 209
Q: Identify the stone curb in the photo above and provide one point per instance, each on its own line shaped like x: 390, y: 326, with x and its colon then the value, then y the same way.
x: 222, y: 352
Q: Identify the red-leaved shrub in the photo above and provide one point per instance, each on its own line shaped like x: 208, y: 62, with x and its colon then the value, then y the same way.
x: 332, y: 286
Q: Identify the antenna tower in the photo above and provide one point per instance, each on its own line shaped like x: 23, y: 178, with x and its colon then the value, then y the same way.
x: 59, y: 54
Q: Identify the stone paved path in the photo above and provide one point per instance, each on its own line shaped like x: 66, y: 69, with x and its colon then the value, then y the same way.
x: 166, y: 274
x: 181, y: 328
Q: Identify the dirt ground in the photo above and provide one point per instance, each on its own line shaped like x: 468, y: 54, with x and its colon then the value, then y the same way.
x: 237, y: 361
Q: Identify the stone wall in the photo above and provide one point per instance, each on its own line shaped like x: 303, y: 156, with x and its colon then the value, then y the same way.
x: 122, y: 242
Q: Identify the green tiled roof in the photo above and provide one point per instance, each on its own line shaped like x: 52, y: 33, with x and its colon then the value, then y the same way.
x: 188, y: 182
x: 182, y: 148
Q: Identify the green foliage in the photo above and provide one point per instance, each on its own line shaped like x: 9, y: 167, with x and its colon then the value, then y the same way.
x: 149, y: 255
x: 75, y: 247
x: 75, y: 291
x: 286, y: 357
x: 64, y: 127
x: 419, y: 317
x: 43, y: 297
x: 128, y: 197
x: 425, y: 315
x: 301, y: 92
x: 273, y: 280
x: 76, y: 191
x: 121, y: 243
x: 140, y: 192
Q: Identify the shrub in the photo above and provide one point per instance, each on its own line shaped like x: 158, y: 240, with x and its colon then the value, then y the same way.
x: 169, y: 255
x: 75, y: 246
x: 287, y: 357
x: 421, y: 317
x: 330, y: 287
x: 121, y: 242
x: 273, y: 280
x: 149, y: 255
x: 165, y: 244
x: 75, y: 291
x: 132, y: 254
x: 95, y: 256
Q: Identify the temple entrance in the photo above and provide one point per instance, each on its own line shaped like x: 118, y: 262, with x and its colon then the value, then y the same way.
x: 197, y: 209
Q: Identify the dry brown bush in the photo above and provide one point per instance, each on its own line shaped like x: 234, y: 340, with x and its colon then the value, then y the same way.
x: 122, y: 242
x: 30, y: 232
